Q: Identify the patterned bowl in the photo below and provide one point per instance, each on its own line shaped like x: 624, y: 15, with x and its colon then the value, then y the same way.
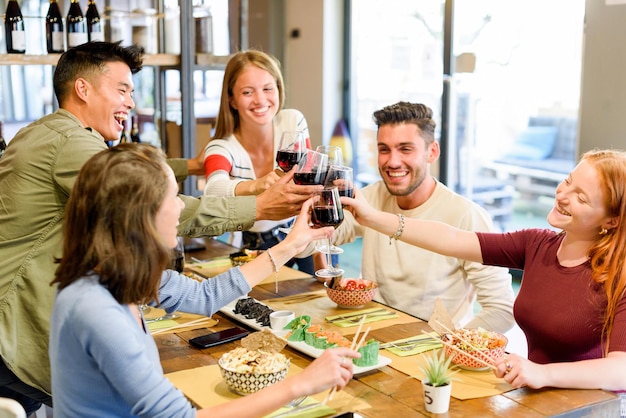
x: 352, y: 299
x: 495, y: 348
x: 246, y: 383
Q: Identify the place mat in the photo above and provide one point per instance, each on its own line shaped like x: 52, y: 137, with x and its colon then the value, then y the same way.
x: 177, y: 322
x: 354, y: 318
x: 205, y: 387
x: 465, y: 385
x: 417, y: 348
x: 222, y: 264
x: 318, y: 309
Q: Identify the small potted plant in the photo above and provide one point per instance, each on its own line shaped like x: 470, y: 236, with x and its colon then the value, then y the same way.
x: 438, y: 373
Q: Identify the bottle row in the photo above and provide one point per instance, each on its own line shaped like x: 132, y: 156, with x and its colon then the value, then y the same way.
x: 137, y: 27
x: 77, y: 29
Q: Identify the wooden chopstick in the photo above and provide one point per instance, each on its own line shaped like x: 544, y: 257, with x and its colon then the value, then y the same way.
x: 362, y: 341
x: 186, y: 324
x: 454, y: 347
x: 476, y: 349
x: 353, y: 346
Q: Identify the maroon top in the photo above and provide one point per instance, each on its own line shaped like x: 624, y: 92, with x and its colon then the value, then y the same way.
x: 560, y: 309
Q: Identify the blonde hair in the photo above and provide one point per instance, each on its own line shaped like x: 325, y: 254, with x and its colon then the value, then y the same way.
x: 228, y: 118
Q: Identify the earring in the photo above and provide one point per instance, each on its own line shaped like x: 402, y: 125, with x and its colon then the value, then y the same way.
x: 603, y: 231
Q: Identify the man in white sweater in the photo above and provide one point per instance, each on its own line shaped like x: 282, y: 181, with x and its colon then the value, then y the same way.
x: 410, y: 278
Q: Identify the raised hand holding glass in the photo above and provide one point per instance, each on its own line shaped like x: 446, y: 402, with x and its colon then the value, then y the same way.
x: 292, y: 147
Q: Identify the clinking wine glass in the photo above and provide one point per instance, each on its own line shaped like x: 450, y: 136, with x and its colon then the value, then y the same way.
x: 312, y: 168
x: 327, y: 211
x: 335, y: 156
x: 292, y: 147
x: 341, y: 177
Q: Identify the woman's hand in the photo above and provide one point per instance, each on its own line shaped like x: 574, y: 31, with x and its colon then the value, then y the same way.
x: 302, y: 234
x: 359, y: 207
x: 332, y: 368
x: 519, y: 372
x: 265, y: 182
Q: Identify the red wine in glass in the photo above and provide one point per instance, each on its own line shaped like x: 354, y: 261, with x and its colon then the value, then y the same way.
x: 179, y: 263
x: 287, y: 159
x: 346, y: 192
x: 331, y: 215
x: 310, y: 178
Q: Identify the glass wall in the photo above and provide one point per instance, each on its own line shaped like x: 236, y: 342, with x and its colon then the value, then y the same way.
x: 514, y: 91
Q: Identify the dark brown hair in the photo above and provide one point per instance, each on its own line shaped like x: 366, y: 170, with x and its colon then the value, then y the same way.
x: 405, y: 112
x: 90, y: 59
x: 110, y: 223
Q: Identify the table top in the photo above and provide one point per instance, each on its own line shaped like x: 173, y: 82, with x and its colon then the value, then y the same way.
x: 388, y: 391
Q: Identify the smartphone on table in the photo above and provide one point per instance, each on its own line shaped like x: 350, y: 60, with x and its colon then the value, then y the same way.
x: 219, y: 337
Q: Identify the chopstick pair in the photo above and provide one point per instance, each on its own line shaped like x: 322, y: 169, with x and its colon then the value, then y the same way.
x: 356, y: 344
x: 187, y: 324
x: 482, y: 361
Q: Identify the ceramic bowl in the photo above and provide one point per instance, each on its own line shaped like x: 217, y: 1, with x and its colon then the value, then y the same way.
x: 351, y: 298
x: 246, y: 383
x: 498, y: 341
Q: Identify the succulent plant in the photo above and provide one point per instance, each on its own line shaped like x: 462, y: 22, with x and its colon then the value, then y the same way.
x: 438, y: 369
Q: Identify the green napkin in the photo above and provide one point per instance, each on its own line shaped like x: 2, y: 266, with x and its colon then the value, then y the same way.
x: 353, y: 318
x: 419, y: 347
x: 319, y: 411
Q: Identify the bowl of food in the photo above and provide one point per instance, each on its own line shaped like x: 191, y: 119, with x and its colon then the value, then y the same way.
x: 248, y: 371
x: 474, y: 342
x: 351, y: 293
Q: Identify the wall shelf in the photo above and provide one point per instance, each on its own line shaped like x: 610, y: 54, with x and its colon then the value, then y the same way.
x: 152, y: 60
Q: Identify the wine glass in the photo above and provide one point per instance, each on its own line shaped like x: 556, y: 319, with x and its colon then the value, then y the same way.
x: 341, y: 177
x: 327, y: 211
x: 178, y: 255
x: 292, y: 147
x: 335, y: 157
x: 312, y: 168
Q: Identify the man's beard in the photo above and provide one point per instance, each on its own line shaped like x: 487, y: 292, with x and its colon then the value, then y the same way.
x: 409, y: 189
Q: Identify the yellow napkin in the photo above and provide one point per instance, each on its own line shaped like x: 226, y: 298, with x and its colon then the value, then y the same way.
x: 165, y: 323
x: 417, y: 348
x: 354, y: 317
x: 211, y: 268
x: 205, y: 387
x: 465, y: 384
x: 319, y: 411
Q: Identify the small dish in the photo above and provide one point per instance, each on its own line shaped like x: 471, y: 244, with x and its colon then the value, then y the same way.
x: 352, y: 298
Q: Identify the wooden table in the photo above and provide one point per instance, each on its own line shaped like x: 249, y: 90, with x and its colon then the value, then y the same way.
x: 391, y: 393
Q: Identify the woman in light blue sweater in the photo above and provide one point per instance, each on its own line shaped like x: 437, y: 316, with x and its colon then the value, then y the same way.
x: 120, y: 228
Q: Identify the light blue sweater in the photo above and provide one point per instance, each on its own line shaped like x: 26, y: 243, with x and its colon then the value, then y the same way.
x: 104, y: 365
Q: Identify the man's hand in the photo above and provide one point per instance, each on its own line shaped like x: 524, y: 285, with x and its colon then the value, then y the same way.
x: 196, y: 165
x: 283, y: 199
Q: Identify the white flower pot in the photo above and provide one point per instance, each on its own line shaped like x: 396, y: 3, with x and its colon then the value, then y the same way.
x: 437, y: 398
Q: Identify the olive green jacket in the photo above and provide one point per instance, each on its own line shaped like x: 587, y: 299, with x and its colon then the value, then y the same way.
x: 37, y: 173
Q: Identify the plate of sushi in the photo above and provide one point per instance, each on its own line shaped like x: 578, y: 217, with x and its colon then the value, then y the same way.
x: 310, y: 339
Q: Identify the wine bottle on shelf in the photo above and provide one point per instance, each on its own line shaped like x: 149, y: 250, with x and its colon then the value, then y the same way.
x: 14, y: 30
x: 54, y: 29
x: 3, y: 145
x: 76, y: 28
x: 134, y: 130
x: 95, y: 29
